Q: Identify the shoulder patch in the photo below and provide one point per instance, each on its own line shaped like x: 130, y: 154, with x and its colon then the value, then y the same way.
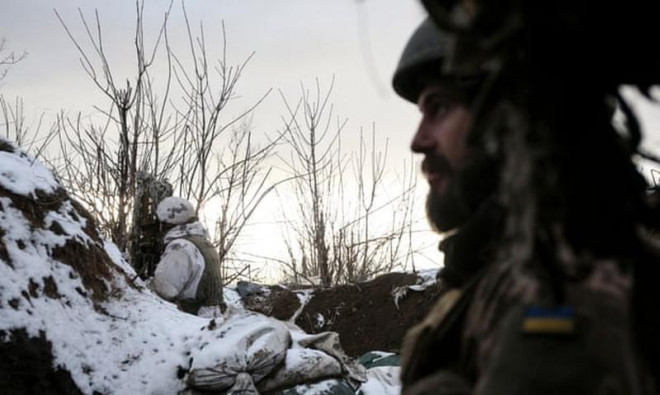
x: 559, y: 320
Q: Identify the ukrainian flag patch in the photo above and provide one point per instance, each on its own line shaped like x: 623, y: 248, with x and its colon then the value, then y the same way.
x: 559, y: 320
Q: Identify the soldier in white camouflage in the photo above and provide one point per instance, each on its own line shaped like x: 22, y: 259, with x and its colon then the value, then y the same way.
x: 189, y: 271
x: 547, y: 283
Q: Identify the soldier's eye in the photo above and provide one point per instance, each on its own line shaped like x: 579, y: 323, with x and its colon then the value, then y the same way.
x: 436, y: 105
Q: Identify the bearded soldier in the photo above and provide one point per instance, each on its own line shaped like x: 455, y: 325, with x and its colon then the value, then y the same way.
x: 547, y: 286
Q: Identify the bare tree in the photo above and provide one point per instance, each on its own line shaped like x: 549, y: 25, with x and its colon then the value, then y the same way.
x: 30, y: 137
x: 333, y: 238
x: 178, y: 130
x: 379, y: 235
x: 8, y: 58
x: 242, y: 183
x: 100, y: 163
x: 202, y: 113
x: 315, y: 157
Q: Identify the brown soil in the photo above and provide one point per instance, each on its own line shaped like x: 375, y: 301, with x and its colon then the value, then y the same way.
x: 88, y: 260
x: 26, y: 366
x: 364, y: 315
x: 91, y: 262
x: 287, y: 303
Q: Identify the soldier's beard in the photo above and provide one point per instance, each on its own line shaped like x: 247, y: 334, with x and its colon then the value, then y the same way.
x: 446, y: 211
x: 465, y: 193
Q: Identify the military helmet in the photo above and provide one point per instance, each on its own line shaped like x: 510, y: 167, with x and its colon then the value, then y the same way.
x: 175, y: 210
x: 422, y: 56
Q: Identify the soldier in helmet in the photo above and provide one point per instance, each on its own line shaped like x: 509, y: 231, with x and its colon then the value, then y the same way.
x: 188, y: 272
x: 461, y: 202
x: 461, y: 179
x: 547, y: 288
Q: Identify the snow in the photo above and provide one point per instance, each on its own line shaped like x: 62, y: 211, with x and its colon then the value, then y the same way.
x: 22, y: 174
x: 428, y: 277
x: 232, y: 298
x: 140, y: 337
x: 135, y: 347
x: 117, y: 257
x: 133, y: 342
x: 382, y: 380
x: 133, y: 354
x: 321, y: 388
x: 425, y: 279
x: 245, y: 336
x: 304, y: 297
x: 398, y: 294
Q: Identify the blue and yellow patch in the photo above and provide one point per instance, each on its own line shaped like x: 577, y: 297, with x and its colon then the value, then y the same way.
x: 558, y: 320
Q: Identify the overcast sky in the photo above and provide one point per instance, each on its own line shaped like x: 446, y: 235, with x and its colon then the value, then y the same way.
x: 294, y: 41
x: 356, y: 42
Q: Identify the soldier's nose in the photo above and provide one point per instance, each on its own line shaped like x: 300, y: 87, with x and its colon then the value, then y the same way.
x: 423, y: 141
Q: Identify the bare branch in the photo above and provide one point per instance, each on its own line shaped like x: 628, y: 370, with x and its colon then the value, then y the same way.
x: 8, y: 59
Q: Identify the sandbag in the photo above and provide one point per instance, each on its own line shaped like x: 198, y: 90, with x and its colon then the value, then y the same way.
x: 301, y: 365
x: 313, y: 358
x: 249, y: 347
x: 382, y: 377
x: 328, y: 342
x: 383, y: 371
x: 382, y: 380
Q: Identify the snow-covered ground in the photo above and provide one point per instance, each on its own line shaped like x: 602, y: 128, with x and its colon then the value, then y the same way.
x: 131, y: 344
x: 122, y: 339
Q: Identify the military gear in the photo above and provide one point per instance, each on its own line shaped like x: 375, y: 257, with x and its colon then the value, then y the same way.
x: 574, y: 37
x: 425, y: 59
x: 188, y: 272
x: 510, y: 358
x: 175, y: 210
x: 209, y: 290
x: 422, y: 55
x: 597, y: 356
x: 506, y: 333
x: 568, y: 305
x: 431, y: 358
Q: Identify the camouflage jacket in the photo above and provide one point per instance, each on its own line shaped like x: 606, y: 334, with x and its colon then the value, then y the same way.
x: 507, y: 332
x: 189, y: 270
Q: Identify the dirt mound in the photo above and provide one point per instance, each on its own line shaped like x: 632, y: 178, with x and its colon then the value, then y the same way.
x: 365, y: 315
x: 30, y: 364
x: 274, y: 300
